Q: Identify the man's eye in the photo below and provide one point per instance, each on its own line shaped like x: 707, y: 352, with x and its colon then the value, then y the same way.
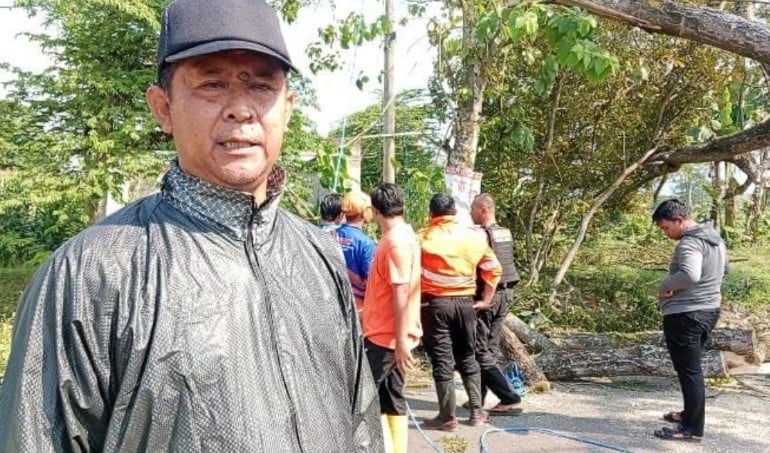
x: 213, y: 84
x: 259, y: 87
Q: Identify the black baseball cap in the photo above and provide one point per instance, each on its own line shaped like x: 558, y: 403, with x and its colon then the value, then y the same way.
x: 191, y: 28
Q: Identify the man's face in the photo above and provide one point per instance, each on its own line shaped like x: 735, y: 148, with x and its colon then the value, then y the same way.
x: 476, y: 212
x: 228, y: 113
x: 673, y: 229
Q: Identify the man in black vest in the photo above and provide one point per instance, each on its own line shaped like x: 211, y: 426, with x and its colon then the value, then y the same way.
x: 490, y: 320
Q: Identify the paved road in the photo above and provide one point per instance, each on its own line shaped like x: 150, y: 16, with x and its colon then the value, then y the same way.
x: 620, y: 413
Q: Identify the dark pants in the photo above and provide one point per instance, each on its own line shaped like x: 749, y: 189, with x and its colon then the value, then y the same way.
x: 488, y: 328
x: 686, y: 335
x: 387, y: 377
x: 449, y: 336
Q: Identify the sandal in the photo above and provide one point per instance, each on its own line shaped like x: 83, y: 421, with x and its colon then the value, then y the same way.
x: 673, y: 417
x: 678, y: 433
x: 506, y: 409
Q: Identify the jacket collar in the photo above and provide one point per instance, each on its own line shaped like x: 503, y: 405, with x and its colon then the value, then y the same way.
x: 233, y: 211
x: 442, y: 220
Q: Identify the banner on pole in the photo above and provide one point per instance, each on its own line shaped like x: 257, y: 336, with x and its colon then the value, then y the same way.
x: 463, y: 185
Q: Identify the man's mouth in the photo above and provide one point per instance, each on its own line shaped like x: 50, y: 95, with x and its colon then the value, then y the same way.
x: 237, y: 144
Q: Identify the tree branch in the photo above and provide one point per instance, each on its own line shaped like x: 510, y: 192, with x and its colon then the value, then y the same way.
x: 697, y: 23
x: 723, y: 148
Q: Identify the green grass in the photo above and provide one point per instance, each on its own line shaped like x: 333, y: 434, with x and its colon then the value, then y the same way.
x: 12, y: 283
x: 748, y: 283
x: 615, y: 290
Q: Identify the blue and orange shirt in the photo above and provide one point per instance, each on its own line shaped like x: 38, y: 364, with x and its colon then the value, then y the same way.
x: 358, y: 249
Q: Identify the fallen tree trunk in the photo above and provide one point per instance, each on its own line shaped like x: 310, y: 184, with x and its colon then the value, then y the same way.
x: 513, y: 349
x: 640, y: 360
x: 535, y: 340
x: 739, y: 341
x: 757, y: 356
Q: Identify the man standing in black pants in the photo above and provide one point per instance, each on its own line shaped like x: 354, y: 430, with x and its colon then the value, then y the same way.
x: 452, y: 254
x: 690, y: 298
x: 490, y: 321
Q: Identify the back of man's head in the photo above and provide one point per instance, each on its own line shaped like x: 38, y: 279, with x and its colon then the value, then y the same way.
x: 355, y: 205
x: 388, y: 199
x: 331, y: 207
x: 485, y: 199
x: 442, y: 204
x: 671, y: 210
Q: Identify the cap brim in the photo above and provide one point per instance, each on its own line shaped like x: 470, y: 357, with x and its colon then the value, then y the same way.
x: 222, y: 46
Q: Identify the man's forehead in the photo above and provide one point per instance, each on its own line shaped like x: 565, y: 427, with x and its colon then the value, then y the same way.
x: 254, y: 63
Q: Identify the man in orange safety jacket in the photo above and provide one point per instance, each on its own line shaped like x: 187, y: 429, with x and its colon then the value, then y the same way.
x: 452, y: 254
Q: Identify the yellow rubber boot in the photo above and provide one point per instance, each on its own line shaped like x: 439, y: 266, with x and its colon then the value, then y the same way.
x: 387, y: 436
x: 399, y: 430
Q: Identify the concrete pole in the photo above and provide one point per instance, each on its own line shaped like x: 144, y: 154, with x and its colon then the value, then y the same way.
x: 389, y: 147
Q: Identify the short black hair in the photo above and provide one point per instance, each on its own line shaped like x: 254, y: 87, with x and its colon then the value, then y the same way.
x: 670, y: 210
x: 388, y: 199
x: 331, y: 207
x: 442, y: 204
x: 165, y: 74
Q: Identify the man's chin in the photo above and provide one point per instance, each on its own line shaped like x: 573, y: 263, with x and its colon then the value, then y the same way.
x: 243, y: 179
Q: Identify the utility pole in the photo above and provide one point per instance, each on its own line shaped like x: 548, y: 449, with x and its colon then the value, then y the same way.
x: 389, y: 95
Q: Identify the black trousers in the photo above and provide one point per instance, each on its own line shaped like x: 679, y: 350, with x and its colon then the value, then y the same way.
x: 686, y: 335
x: 490, y: 324
x: 488, y: 328
x: 449, y: 336
x: 387, y: 377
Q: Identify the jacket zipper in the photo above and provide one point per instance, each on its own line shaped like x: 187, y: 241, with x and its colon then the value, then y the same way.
x: 257, y: 269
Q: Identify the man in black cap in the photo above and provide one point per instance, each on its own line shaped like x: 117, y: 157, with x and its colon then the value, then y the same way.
x: 203, y: 318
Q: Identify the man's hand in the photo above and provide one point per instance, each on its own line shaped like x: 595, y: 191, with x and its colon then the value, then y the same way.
x: 481, y: 305
x: 663, y: 295
x: 404, y: 359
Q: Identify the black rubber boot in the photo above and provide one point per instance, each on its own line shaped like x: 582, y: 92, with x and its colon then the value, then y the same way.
x: 472, y: 385
x: 445, y: 420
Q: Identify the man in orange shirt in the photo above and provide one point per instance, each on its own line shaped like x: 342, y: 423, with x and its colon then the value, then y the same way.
x: 391, y: 316
x: 451, y: 255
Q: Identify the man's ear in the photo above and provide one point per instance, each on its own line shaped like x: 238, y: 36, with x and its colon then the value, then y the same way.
x: 160, y: 106
x: 291, y: 97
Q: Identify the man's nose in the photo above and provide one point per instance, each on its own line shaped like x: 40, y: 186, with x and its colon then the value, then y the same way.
x: 240, y: 108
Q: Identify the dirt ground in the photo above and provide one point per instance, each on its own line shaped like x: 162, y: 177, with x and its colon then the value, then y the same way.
x: 620, y: 413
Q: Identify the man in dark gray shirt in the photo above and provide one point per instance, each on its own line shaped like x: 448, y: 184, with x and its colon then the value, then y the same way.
x: 690, y: 298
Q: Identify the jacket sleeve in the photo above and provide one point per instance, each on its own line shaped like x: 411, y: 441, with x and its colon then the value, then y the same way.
x: 53, y: 395
x: 367, y: 428
x: 723, y: 249
x: 689, y: 262
x: 489, y: 268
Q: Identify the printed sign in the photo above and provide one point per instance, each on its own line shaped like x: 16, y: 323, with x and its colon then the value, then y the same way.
x: 463, y: 184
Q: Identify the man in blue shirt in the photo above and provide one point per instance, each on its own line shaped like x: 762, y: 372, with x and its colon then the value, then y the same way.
x: 357, y: 247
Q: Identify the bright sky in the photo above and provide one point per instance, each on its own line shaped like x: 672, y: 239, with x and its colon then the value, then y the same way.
x: 337, y: 93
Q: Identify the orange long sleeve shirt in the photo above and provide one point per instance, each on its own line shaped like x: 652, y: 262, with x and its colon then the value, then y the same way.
x: 451, y: 254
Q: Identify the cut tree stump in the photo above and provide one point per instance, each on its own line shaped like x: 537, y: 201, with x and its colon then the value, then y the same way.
x: 513, y: 349
x: 535, y: 340
x: 739, y: 341
x: 639, y: 360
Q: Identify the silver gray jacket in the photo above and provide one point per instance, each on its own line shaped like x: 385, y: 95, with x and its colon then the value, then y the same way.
x: 696, y: 272
x: 191, y: 321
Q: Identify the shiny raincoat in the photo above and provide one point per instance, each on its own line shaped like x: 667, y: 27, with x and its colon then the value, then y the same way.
x: 191, y: 321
